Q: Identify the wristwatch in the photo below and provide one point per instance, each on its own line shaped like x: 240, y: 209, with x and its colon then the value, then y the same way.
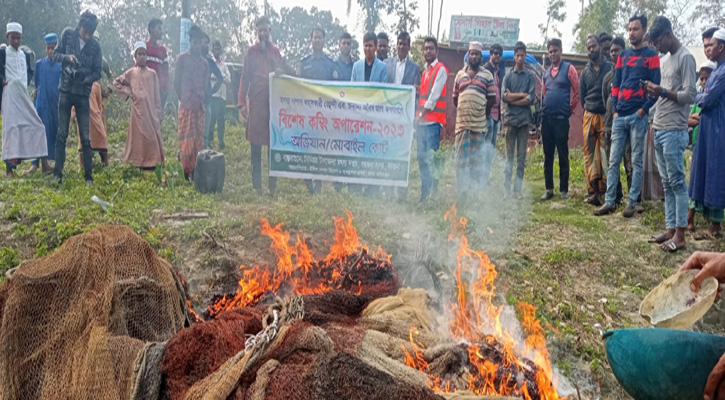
x: 663, y: 94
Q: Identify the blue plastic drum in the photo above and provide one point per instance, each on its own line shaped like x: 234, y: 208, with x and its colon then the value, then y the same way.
x: 657, y: 364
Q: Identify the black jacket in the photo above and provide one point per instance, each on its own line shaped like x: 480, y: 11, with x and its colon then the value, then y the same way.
x: 2, y: 70
x: 590, y: 86
x: 77, y: 78
x: 493, y: 70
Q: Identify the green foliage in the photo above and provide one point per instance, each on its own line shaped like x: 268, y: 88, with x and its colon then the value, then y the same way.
x: 170, y: 175
x: 40, y: 17
x: 292, y: 28
x: 124, y: 23
x: 554, y: 13
x: 563, y: 256
x: 8, y: 259
x: 599, y: 16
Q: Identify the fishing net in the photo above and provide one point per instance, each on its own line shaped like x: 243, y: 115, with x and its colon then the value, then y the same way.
x: 89, y: 321
x: 103, y: 318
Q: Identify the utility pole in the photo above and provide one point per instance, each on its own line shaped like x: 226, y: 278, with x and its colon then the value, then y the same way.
x: 185, y: 25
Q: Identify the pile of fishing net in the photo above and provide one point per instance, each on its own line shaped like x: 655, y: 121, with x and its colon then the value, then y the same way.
x: 105, y: 318
x: 90, y: 321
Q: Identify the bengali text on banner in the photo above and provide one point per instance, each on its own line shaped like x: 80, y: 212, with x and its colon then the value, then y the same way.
x: 354, y: 132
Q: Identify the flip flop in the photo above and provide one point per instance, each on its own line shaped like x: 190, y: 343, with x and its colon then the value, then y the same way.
x: 669, y: 247
x: 709, y: 236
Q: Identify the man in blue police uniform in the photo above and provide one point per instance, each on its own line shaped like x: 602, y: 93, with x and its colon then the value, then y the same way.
x: 318, y: 66
x: 344, y: 60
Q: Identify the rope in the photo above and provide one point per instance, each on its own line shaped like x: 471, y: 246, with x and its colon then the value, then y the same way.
x: 278, y: 315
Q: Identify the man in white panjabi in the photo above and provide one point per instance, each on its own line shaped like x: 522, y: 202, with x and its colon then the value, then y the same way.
x: 23, y: 132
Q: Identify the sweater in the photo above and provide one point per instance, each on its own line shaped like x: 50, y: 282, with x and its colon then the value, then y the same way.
x: 633, y: 66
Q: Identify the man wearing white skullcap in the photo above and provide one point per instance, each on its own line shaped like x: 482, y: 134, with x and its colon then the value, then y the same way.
x: 474, y: 88
x: 144, y: 147
x: 23, y: 133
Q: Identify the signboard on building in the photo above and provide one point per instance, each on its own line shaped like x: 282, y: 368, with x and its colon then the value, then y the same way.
x: 487, y: 30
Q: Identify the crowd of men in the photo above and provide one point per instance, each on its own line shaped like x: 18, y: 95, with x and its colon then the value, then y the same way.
x: 639, y: 99
x: 626, y: 93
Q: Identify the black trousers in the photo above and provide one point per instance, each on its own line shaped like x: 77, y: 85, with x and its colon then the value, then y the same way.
x: 67, y: 101
x: 257, y: 170
x: 555, y: 138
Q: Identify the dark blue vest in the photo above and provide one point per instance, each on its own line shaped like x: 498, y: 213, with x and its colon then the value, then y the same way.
x: 558, y: 90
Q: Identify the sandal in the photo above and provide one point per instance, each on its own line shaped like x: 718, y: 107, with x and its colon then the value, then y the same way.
x: 669, y: 247
x: 709, y: 235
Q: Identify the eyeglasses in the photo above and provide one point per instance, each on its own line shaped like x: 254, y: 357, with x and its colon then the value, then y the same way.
x: 495, y: 53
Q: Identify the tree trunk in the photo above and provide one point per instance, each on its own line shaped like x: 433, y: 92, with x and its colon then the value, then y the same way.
x: 185, y: 8
x: 405, y: 17
x: 440, y: 16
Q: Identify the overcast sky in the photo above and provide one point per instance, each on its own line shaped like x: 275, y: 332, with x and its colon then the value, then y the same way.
x: 530, y: 12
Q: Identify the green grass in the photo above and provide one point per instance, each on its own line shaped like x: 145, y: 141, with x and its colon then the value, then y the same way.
x: 555, y: 255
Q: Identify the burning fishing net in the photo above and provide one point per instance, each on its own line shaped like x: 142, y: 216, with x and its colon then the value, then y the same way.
x: 333, y: 327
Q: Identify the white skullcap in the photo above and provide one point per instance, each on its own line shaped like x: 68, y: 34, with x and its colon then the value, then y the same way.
x: 475, y: 46
x: 138, y: 45
x: 14, y: 27
x: 709, y: 65
x: 719, y: 34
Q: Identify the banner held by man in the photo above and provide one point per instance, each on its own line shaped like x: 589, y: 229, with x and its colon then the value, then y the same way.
x: 345, y: 132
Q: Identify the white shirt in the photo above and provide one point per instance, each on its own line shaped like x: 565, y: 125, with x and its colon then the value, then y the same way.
x: 436, y: 90
x: 226, y: 79
x: 15, y: 66
x: 400, y: 70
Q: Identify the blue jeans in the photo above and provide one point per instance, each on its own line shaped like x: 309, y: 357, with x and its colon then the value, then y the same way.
x: 632, y: 128
x: 670, y: 147
x: 489, y: 150
x: 428, y: 138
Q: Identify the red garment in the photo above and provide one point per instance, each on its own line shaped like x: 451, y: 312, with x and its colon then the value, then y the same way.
x: 158, y: 60
x: 191, y: 137
x: 191, y: 80
x: 426, y: 83
x: 258, y: 64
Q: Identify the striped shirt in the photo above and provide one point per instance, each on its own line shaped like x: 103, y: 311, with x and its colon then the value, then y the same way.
x: 472, y: 95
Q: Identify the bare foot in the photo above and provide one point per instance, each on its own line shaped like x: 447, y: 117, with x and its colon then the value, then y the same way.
x: 663, y: 237
x: 12, y: 174
x: 30, y: 170
x: 691, y: 220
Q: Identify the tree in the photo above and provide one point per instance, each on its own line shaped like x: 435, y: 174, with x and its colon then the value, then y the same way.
x: 599, y: 16
x: 554, y: 14
x: 123, y: 23
x: 39, y: 18
x: 535, y: 46
x: 628, y: 8
x: 293, y: 36
x: 402, y: 10
x: 709, y: 13
x: 679, y: 13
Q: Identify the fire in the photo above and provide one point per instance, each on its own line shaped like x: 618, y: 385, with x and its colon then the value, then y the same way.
x: 476, y: 321
x: 297, y: 271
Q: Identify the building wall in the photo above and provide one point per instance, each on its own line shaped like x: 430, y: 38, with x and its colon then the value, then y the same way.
x: 453, y: 60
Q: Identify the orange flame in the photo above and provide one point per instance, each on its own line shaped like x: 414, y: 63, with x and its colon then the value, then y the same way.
x: 297, y: 271
x: 476, y: 320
